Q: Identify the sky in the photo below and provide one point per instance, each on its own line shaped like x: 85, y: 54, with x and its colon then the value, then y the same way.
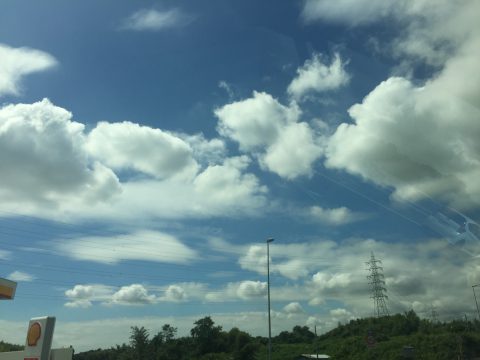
x: 148, y: 149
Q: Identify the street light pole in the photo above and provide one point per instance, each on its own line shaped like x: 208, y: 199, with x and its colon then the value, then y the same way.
x: 268, y: 291
x: 475, y: 297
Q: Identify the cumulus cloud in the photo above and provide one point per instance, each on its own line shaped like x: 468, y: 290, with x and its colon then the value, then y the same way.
x: 43, y: 150
x: 155, y: 20
x: 294, y: 152
x: 226, y: 184
x: 55, y: 168
x: 205, y: 151
x: 419, y: 139
x: 83, y: 296
x: 127, y: 145
x: 175, y: 293
x: 327, y: 272
x: 16, y: 63
x: 334, y: 216
x: 134, y: 246
x: 251, y: 289
x: 317, y: 76
x: 271, y: 132
x: 432, y: 30
x: 329, y: 281
x: 388, y: 145
x: 243, y: 290
x: 293, y: 261
x: 341, y: 315
x: 20, y: 276
x: 255, y: 122
x: 135, y: 294
x: 225, y: 189
x: 293, y: 308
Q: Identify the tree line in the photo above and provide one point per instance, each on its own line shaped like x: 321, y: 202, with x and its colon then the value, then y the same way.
x: 400, y: 336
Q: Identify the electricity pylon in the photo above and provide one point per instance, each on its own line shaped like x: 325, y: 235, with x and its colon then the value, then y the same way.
x: 377, y: 282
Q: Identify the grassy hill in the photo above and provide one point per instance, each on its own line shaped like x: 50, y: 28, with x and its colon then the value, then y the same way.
x: 400, y: 336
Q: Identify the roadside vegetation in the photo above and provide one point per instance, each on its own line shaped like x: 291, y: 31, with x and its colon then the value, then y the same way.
x: 400, y: 336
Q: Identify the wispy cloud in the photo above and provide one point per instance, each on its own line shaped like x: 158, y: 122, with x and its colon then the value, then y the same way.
x: 20, y: 276
x: 334, y: 216
x: 155, y: 20
x: 133, y: 246
x: 15, y: 63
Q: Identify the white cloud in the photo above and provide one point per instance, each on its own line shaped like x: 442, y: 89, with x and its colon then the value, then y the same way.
x: 388, y: 143
x: 5, y: 255
x: 225, y: 189
x: 329, y: 281
x: 293, y: 308
x: 143, y: 245
x: 341, y: 315
x: 420, y: 140
x: 135, y: 294
x: 255, y: 122
x: 272, y: 133
x: 316, y: 301
x: 152, y: 151
x: 181, y: 292
x: 294, y: 153
x: 56, y: 170
x: 431, y: 30
x: 206, y: 152
x: 293, y: 261
x: 78, y: 304
x: 15, y: 63
x: 80, y: 292
x: 20, y: 276
x: 327, y: 273
x: 155, y: 20
x: 251, y: 289
x: 348, y: 11
x: 225, y: 184
x: 255, y: 259
x: 175, y: 293
x: 334, y: 216
x: 316, y: 76
x: 43, y: 150
x: 83, y: 296
x: 243, y: 290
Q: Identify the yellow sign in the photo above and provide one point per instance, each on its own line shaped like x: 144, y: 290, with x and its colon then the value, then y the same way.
x: 34, y: 333
x: 7, y: 289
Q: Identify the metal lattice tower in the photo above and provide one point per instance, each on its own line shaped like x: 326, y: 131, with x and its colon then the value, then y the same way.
x: 433, y: 314
x: 379, y: 292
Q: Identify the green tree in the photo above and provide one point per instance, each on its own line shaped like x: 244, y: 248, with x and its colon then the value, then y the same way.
x: 207, y: 336
x: 139, y: 342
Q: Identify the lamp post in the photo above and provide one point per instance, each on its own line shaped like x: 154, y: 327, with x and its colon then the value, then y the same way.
x: 268, y: 291
x: 475, y: 297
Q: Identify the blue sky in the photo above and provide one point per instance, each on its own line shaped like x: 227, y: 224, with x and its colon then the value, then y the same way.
x: 148, y: 150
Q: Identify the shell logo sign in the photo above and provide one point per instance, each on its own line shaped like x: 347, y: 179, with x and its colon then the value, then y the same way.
x: 34, y: 333
x: 38, y: 343
x: 39, y: 338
